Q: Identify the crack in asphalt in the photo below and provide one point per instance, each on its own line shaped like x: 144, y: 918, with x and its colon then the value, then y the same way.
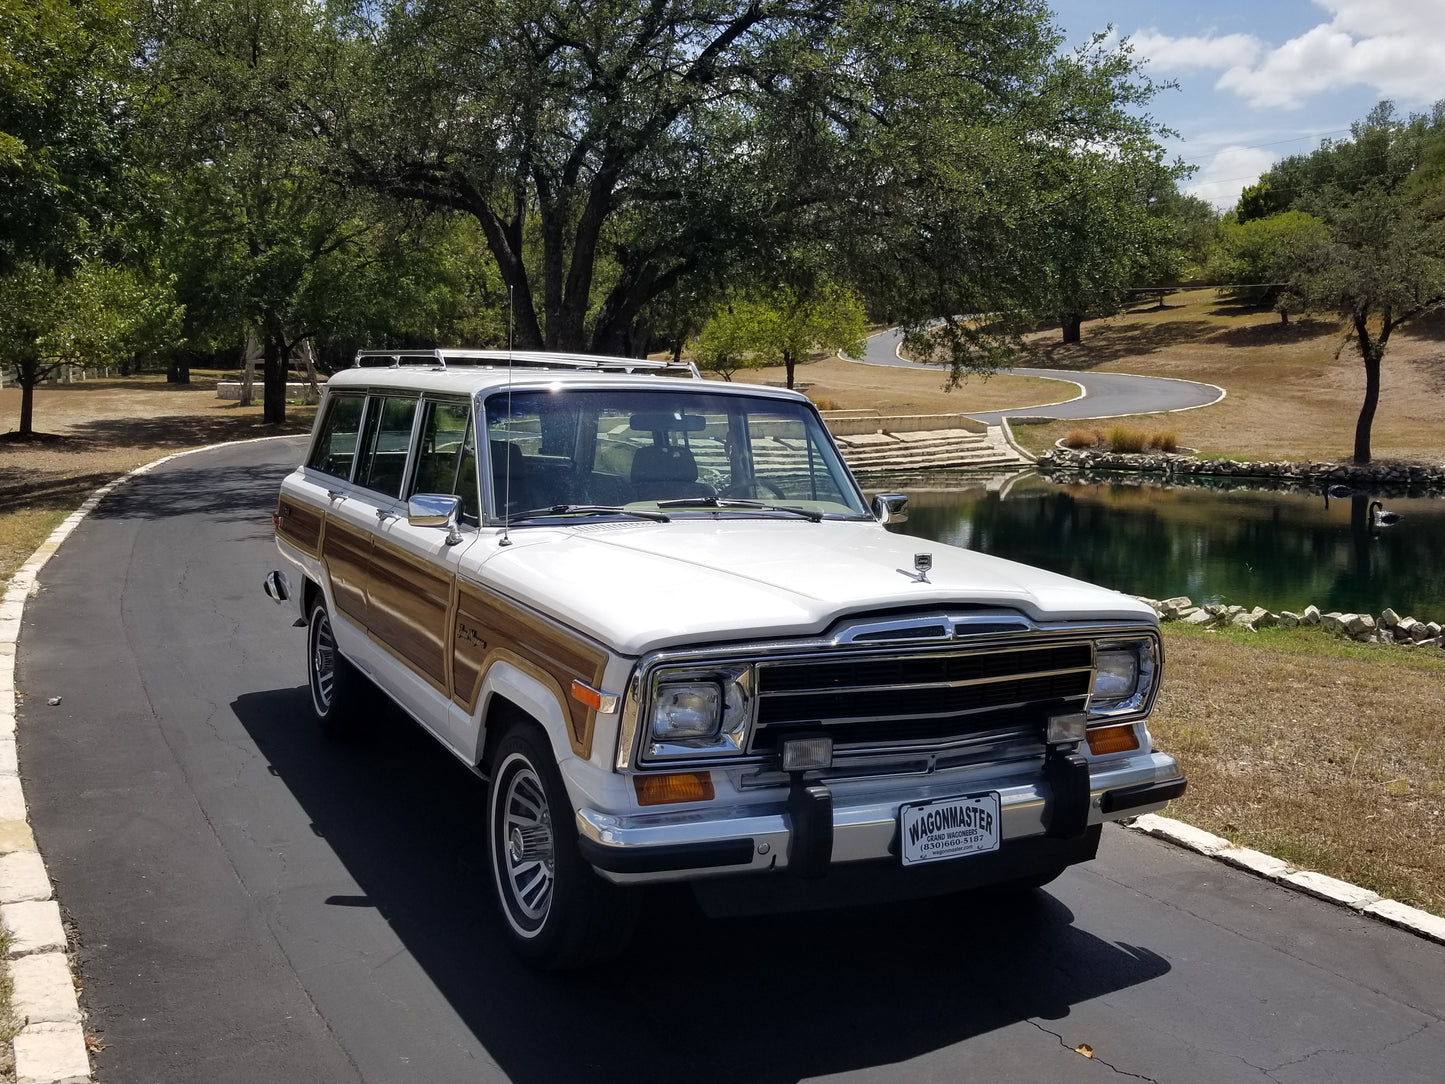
x: 1093, y: 1056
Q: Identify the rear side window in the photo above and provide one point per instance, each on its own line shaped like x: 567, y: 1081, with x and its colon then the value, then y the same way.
x: 386, y: 443
x: 335, y: 448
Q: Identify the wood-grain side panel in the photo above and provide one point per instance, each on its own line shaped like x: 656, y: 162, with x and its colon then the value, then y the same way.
x: 408, y: 600
x: 346, y: 550
x: 299, y: 525
x: 489, y: 627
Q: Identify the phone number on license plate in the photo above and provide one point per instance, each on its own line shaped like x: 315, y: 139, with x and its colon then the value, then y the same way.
x: 949, y: 828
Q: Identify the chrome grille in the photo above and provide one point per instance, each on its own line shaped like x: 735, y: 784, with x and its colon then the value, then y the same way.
x: 931, y: 698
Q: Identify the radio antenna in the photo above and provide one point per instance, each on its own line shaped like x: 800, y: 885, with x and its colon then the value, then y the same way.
x: 506, y: 539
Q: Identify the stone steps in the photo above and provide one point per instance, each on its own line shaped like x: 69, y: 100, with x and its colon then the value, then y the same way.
x: 938, y: 449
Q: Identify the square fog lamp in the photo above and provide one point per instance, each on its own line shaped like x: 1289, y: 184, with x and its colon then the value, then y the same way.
x: 1064, y: 729
x: 807, y: 754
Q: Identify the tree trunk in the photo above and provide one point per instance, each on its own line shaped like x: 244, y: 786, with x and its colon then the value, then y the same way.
x: 179, y: 371
x: 1073, y: 323
x: 273, y: 395
x: 27, y: 378
x: 1371, y: 353
x: 788, y: 363
x: 250, y: 354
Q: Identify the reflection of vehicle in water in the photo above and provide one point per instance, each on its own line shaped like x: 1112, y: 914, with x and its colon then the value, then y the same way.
x: 659, y: 616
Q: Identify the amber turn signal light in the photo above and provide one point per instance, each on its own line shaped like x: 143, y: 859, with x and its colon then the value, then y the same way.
x: 678, y: 787
x: 1114, y: 739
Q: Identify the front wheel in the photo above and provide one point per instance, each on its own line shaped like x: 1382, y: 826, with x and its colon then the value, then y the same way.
x: 559, y: 914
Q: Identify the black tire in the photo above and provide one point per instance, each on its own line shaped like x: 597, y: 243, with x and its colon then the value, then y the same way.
x: 335, y: 684
x: 556, y: 911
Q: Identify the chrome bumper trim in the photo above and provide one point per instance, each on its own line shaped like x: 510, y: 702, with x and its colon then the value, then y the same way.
x: 672, y: 845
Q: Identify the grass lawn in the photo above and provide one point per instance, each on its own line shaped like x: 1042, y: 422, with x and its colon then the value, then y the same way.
x: 1326, y: 753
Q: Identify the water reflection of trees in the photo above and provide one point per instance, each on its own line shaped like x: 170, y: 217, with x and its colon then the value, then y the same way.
x: 1277, y: 550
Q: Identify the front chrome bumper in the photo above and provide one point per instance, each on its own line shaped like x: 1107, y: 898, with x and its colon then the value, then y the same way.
x: 686, y: 844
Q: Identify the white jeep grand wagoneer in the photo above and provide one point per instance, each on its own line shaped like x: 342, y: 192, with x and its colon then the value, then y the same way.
x: 659, y: 617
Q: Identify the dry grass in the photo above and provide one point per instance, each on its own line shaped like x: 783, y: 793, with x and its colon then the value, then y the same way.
x: 847, y: 385
x: 1327, y: 754
x: 1294, y: 394
x: 9, y: 1025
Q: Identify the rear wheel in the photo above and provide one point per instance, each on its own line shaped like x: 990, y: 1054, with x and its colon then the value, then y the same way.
x: 335, y: 683
x: 559, y: 914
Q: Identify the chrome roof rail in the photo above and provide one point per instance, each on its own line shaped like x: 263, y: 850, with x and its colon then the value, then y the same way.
x: 455, y: 357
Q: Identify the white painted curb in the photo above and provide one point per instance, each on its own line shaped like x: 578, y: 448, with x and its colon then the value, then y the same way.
x: 50, y: 1047
x: 1282, y: 873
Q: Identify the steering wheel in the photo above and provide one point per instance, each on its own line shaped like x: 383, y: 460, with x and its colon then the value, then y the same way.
x: 751, y: 487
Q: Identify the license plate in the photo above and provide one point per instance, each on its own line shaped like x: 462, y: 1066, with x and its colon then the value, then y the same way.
x: 949, y: 828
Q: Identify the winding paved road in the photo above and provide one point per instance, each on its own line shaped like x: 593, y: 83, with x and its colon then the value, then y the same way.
x: 1100, y: 395
x: 252, y: 903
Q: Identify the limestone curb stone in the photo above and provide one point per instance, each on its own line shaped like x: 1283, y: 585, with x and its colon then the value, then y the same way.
x: 1328, y: 888
x: 34, y: 927
x: 1420, y: 923
x: 44, y: 993
x: 51, y: 1054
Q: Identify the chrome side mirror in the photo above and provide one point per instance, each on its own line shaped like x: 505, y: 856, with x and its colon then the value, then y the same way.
x: 890, y: 508
x: 436, y: 510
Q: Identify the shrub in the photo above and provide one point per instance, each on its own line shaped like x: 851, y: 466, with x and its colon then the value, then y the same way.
x: 1166, y: 440
x: 1081, y: 438
x: 1126, y: 440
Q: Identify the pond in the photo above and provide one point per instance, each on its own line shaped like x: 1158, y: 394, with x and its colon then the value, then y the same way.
x: 1282, y: 551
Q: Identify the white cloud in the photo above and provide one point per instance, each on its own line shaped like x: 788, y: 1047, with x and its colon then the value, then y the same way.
x: 1168, y: 55
x: 1220, y: 180
x: 1369, y: 18
x: 1389, y: 46
x: 1327, y: 58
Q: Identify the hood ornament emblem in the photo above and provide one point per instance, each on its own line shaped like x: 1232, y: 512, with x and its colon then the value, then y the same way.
x: 922, y: 563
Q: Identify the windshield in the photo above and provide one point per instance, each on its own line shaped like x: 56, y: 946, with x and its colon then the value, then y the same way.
x: 695, y: 453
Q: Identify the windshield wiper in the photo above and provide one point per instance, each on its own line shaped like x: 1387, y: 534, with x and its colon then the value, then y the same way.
x: 732, y: 502
x: 590, y: 510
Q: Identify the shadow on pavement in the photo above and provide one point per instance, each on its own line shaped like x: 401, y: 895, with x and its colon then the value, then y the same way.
x: 215, y: 492
x: 763, y: 1000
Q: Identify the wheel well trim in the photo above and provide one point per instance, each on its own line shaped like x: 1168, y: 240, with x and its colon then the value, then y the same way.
x: 536, y: 695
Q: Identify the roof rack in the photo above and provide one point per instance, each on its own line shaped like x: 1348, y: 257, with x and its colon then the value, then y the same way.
x: 452, y: 357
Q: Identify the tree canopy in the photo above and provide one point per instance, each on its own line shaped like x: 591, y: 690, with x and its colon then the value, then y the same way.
x: 1355, y: 229
x: 615, y: 152
x: 596, y: 174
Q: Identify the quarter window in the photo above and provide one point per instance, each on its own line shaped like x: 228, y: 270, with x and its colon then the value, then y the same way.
x: 386, y: 441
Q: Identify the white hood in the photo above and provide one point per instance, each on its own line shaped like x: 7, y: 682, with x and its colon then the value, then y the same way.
x: 637, y: 587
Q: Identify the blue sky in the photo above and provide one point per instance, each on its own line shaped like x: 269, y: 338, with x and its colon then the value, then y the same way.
x: 1263, y: 79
